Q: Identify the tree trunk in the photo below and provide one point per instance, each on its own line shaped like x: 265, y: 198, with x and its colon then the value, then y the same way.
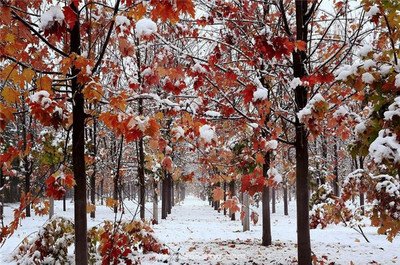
x: 142, y: 187
x: 164, y: 200
x: 224, y: 196
x: 266, y: 214
x: 302, y: 183
x: 169, y: 193
x: 102, y: 191
x: 65, y: 203
x: 336, y: 190
x: 172, y: 193
x: 117, y: 186
x: 78, y: 153
x: 273, y: 200
x: 285, y: 200
x: 362, y: 198
x: 1, y: 195
x: 246, y: 208
x: 51, y: 210
x: 155, y: 201
x: 232, y: 192
x: 93, y: 176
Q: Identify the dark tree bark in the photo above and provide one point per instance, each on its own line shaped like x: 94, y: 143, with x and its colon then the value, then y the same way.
x: 266, y: 214
x: 362, y: 197
x: 273, y: 195
x: 117, y: 186
x: 232, y: 192
x: 301, y: 145
x: 142, y: 187
x: 172, y: 193
x: 169, y: 193
x: 164, y: 193
x: 27, y: 166
x: 93, y: 176
x: 325, y: 161
x: 78, y: 153
x: 224, y: 196
x: 336, y: 190
x: 285, y: 200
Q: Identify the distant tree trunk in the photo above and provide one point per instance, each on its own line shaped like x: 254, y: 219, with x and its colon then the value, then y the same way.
x: 266, y: 214
x: 51, y: 210
x: 78, y: 152
x: 224, y: 196
x: 27, y: 167
x: 93, y: 175
x: 172, y: 193
x: 169, y: 195
x: 324, y: 162
x: 232, y: 192
x: 65, y: 203
x: 336, y: 190
x: 285, y: 199
x: 1, y: 195
x: 301, y: 144
x: 362, y: 198
x: 155, y: 201
x: 183, y: 191
x: 164, y: 201
x: 117, y: 186
x: 246, y: 209
x: 102, y: 191
x: 273, y: 200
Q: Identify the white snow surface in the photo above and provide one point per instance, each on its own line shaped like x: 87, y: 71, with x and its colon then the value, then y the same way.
x: 213, y: 113
x: 122, y: 20
x: 385, y: 147
x: 207, y: 133
x: 307, y: 110
x: 367, y: 78
x: 393, y: 110
x: 260, y: 94
x: 364, y: 50
x: 145, y: 27
x: 273, y: 173
x: 295, y: 83
x: 197, y: 234
x: 48, y: 18
x: 373, y: 10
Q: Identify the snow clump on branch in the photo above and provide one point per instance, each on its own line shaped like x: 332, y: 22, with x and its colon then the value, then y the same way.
x: 145, y: 27
x: 48, y: 18
x: 207, y: 133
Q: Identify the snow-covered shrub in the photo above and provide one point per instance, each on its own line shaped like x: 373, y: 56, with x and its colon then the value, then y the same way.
x: 109, y: 243
x: 49, y: 246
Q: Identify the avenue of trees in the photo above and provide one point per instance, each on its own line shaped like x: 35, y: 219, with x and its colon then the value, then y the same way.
x: 102, y: 101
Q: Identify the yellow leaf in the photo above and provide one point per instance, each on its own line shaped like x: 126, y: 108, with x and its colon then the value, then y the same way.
x: 10, y: 95
x: 138, y: 12
x: 28, y: 74
x: 93, y: 92
x: 44, y: 83
x: 110, y: 202
x: 90, y: 208
x: 10, y: 38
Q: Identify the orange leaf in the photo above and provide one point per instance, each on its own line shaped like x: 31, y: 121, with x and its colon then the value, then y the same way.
x: 218, y: 194
x: 152, y: 129
x: 10, y: 95
x: 110, y: 202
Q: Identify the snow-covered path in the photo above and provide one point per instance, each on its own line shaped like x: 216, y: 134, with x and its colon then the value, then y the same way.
x: 197, y: 234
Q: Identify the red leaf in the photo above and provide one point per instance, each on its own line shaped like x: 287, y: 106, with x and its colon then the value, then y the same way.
x: 70, y: 16
x: 248, y: 93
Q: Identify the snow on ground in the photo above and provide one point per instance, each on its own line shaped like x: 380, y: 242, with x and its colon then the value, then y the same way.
x: 197, y: 234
